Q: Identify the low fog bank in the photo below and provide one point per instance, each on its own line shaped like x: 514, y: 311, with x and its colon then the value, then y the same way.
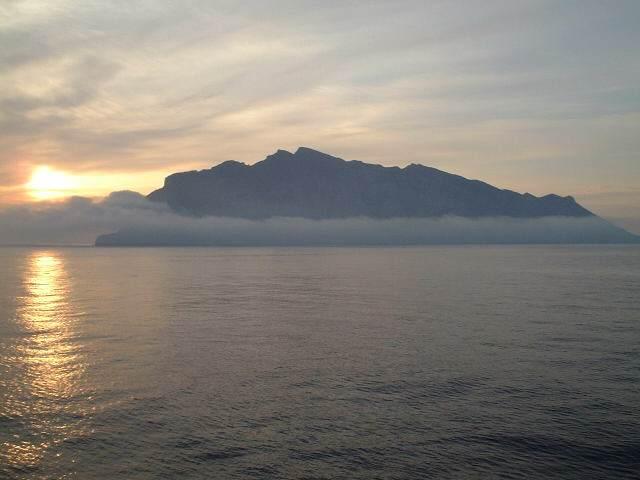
x: 78, y: 220
x: 360, y: 231
x: 127, y: 218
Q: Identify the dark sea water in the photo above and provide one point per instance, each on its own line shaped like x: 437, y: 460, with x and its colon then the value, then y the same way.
x: 373, y: 363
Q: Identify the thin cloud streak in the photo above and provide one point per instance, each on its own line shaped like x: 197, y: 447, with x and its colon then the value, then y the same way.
x: 79, y: 221
x: 530, y: 95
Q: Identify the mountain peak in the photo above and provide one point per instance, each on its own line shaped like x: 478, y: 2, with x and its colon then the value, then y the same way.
x: 303, y: 157
x: 313, y: 184
x: 306, y: 151
x: 229, y: 164
x: 279, y: 155
x: 307, y: 154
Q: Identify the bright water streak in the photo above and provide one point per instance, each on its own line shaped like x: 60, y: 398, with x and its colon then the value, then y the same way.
x: 445, y: 362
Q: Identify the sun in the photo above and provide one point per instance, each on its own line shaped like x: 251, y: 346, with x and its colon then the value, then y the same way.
x: 47, y: 184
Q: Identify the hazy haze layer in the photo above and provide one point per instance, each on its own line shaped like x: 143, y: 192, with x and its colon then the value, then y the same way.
x: 534, y: 96
x: 141, y: 222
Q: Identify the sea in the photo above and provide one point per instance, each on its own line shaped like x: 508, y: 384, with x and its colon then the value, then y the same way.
x: 461, y: 362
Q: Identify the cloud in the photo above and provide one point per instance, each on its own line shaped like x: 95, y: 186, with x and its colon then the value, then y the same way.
x: 531, y: 95
x: 138, y: 221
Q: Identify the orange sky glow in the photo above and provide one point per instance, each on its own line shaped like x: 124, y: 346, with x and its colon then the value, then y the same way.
x: 535, y: 97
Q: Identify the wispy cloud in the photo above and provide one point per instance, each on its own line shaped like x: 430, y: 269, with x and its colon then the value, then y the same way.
x: 139, y: 221
x: 534, y: 95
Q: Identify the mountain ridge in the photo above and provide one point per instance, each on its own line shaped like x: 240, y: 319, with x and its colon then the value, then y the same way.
x: 312, y: 198
x: 315, y: 185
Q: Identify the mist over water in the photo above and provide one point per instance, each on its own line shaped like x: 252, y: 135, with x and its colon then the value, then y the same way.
x: 129, y: 218
x: 341, y: 363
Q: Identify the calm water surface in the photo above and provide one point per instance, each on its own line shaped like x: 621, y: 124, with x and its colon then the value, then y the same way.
x: 389, y: 363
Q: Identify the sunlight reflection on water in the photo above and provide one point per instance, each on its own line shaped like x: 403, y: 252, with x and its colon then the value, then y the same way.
x: 49, y: 362
x: 427, y: 362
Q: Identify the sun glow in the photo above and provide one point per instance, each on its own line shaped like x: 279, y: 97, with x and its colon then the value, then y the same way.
x: 49, y: 361
x: 47, y: 184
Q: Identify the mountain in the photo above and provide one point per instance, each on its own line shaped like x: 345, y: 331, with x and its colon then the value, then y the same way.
x: 312, y: 184
x: 311, y: 198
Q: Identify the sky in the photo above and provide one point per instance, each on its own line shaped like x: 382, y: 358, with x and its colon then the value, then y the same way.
x: 535, y: 96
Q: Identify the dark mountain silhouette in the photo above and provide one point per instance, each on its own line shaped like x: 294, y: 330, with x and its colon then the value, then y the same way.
x: 311, y: 198
x: 312, y: 184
